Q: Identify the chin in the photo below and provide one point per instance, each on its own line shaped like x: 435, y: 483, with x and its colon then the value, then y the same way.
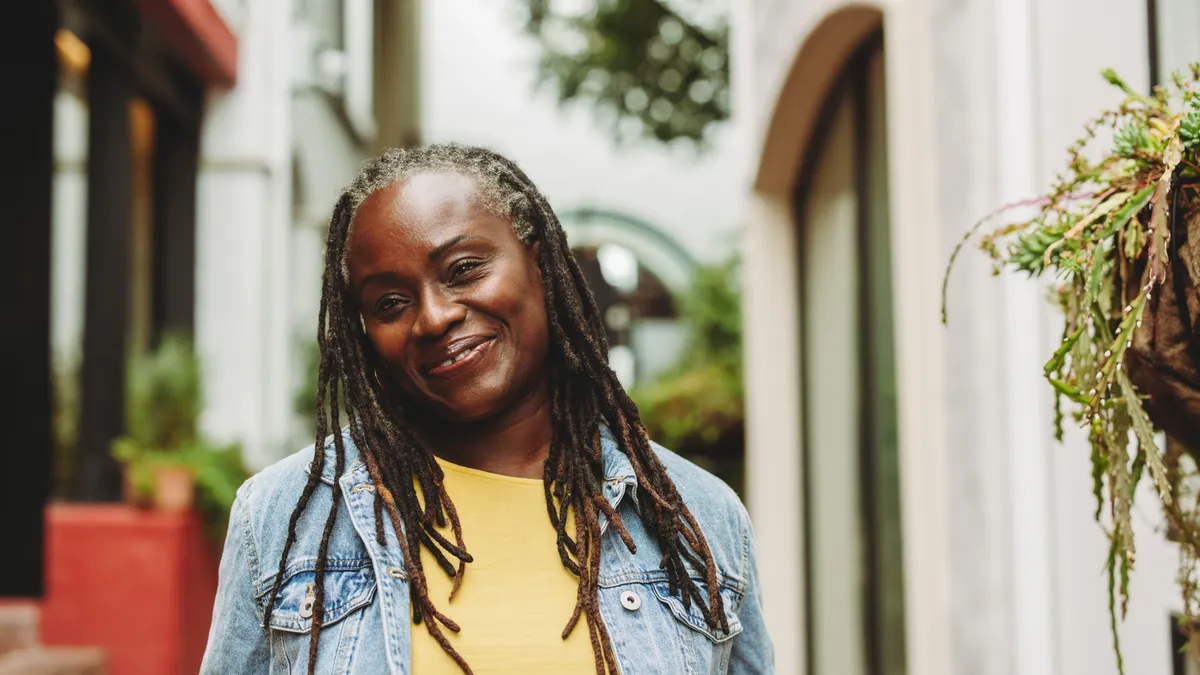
x: 476, y: 409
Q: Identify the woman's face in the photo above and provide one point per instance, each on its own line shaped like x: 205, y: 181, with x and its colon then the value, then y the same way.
x: 451, y: 300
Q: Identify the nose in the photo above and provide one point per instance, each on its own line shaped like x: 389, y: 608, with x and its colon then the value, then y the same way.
x: 437, y: 314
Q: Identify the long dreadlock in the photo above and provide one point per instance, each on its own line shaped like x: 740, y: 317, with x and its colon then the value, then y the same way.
x: 584, y: 392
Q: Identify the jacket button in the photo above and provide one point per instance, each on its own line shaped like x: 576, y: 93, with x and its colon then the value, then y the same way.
x: 631, y: 601
x: 306, y: 607
x: 395, y: 572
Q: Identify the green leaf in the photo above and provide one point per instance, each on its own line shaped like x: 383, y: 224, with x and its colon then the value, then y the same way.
x: 1068, y: 391
x: 1095, y: 277
x: 1131, y: 208
x: 1189, y: 129
x: 1099, y: 470
x: 1115, y: 80
x: 1056, y: 362
x: 1161, y: 212
x: 1145, y: 435
x: 1111, y: 566
x: 1130, y: 140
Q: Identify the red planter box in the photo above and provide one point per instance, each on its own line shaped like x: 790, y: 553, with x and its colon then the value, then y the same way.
x: 138, y: 583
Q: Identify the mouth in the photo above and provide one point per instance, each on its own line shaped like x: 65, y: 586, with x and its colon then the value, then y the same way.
x: 459, y: 356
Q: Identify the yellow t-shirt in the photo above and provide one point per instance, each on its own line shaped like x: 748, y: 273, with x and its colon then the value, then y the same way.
x: 516, y: 597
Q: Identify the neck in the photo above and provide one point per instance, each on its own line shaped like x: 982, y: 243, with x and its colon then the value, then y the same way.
x: 515, y: 443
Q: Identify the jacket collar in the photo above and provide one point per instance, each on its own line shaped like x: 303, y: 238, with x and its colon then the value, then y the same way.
x: 619, y: 479
x: 617, y: 467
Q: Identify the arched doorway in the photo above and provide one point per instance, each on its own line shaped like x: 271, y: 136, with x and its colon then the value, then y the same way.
x: 901, y: 591
x: 849, y: 445
x: 640, y: 316
x: 637, y: 274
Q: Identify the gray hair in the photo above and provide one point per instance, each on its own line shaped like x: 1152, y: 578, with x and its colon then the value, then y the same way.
x: 494, y: 194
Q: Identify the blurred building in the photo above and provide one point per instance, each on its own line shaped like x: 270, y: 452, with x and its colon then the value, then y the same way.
x: 938, y: 527
x: 108, y: 105
x: 202, y: 206
x: 324, y: 84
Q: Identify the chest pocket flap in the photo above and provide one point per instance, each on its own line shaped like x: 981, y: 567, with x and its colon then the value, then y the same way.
x: 349, y: 585
x: 692, y: 616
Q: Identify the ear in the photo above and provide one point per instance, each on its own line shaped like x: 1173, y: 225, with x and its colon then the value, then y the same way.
x: 535, y: 253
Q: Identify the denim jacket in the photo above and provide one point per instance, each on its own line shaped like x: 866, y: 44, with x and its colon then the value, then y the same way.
x: 367, y: 622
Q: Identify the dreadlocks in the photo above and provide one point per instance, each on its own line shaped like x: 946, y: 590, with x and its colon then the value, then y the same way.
x: 584, y: 392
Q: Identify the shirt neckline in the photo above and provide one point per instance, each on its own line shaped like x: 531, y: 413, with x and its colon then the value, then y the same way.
x: 487, y: 475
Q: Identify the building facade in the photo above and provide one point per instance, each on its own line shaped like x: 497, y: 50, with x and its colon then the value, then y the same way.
x: 938, y: 527
x: 107, y: 111
x: 323, y: 85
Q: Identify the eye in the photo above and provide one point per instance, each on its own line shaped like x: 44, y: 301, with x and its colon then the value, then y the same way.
x: 462, y: 268
x: 390, y: 304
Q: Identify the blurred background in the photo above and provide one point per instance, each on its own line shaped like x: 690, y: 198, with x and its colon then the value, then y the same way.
x: 764, y: 195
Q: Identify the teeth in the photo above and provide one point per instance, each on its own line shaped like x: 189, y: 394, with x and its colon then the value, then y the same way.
x: 455, y: 359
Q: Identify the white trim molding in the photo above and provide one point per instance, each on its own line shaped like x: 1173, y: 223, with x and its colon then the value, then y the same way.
x: 770, y: 312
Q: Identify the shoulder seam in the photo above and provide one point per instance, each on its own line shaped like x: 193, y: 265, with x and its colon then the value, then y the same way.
x: 744, y: 572
x: 248, y: 541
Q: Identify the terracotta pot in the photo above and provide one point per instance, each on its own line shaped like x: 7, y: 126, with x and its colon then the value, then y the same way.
x: 174, y: 488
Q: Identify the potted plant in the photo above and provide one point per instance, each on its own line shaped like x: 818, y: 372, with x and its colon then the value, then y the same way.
x: 1121, y: 235
x: 168, y: 463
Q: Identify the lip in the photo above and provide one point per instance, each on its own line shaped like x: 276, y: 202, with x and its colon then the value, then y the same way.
x: 477, y: 346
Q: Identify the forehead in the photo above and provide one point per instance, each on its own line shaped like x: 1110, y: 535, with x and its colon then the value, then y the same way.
x: 419, y: 199
x: 417, y: 213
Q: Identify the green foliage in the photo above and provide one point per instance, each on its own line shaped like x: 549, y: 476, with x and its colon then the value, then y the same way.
x: 1131, y: 140
x: 640, y: 61
x: 164, y: 399
x: 699, y: 400
x: 1189, y: 129
x: 1102, y: 231
x: 163, y: 406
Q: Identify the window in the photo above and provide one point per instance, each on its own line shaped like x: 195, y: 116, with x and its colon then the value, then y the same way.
x: 1183, y: 662
x: 1174, y: 25
x: 851, y: 492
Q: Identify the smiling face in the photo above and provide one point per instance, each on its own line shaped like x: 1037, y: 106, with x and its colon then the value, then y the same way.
x: 451, y: 299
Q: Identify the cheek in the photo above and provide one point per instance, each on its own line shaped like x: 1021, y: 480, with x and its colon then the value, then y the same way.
x: 536, y: 325
x: 388, y: 342
x: 523, y: 308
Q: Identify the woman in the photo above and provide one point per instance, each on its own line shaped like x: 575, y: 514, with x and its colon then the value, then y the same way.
x: 493, y: 504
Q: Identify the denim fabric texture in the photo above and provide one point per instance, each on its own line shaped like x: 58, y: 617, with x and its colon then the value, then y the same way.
x: 367, y: 621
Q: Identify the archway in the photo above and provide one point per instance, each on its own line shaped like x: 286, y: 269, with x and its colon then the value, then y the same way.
x: 849, y: 446
x: 637, y: 274
x: 807, y: 404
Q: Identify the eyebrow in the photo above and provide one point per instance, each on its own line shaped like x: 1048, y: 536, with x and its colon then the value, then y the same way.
x: 372, y: 278
x: 450, y: 243
x: 436, y: 253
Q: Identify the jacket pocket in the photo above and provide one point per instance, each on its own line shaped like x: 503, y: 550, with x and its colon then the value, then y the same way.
x: 690, y: 614
x: 349, y: 585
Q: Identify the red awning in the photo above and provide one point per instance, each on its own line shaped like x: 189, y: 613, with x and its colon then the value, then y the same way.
x: 200, y: 36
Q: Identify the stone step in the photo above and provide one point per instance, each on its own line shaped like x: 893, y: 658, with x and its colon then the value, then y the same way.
x: 18, y: 627
x: 54, y: 661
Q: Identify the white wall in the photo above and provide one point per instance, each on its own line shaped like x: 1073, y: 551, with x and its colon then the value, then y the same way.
x: 1012, y: 84
x: 242, y: 248
x: 478, y: 71
x: 69, y: 239
x: 1069, y: 91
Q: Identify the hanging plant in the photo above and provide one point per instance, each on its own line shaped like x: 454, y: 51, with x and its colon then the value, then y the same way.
x: 1121, y: 234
